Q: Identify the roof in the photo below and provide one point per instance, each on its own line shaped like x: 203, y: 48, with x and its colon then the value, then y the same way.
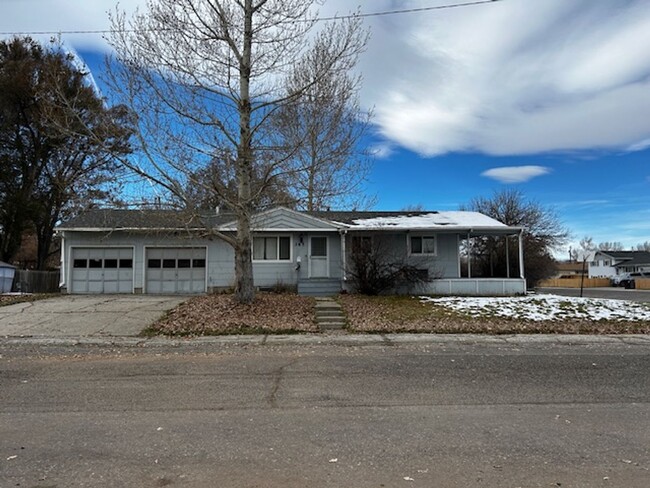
x: 629, y: 258
x: 142, y: 219
x: 158, y: 219
x: 6, y: 265
x: 412, y: 220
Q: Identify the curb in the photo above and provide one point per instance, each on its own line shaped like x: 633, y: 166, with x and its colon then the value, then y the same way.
x: 334, y: 339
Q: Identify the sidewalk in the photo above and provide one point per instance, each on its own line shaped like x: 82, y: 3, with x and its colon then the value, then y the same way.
x: 332, y: 339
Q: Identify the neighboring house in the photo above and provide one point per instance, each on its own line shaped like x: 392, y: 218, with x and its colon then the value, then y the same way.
x: 161, y: 251
x: 610, y: 264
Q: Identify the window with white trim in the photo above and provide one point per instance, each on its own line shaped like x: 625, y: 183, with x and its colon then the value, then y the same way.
x: 272, y: 248
x: 422, y: 245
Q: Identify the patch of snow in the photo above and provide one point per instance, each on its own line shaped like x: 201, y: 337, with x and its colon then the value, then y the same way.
x: 545, y: 307
x: 431, y: 220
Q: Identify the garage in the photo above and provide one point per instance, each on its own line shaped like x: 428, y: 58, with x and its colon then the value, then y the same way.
x: 102, y: 270
x: 172, y: 270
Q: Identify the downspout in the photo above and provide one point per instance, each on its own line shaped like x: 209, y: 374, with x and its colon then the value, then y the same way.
x: 344, y: 267
x: 62, y: 272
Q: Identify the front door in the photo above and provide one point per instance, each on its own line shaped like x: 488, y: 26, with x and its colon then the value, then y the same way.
x: 318, y: 261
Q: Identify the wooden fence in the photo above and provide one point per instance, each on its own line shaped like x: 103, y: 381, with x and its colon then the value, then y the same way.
x: 30, y: 281
x: 642, y: 284
x: 574, y: 283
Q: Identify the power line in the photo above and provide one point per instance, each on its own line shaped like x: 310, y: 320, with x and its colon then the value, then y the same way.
x: 321, y: 19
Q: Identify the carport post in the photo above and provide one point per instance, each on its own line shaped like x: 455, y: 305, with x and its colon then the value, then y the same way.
x: 507, y: 256
x: 521, y: 254
x: 469, y: 256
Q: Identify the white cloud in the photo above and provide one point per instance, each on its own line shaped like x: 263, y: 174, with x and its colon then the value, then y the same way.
x: 515, y: 174
x: 506, y: 78
x: 512, y: 77
x: 64, y: 15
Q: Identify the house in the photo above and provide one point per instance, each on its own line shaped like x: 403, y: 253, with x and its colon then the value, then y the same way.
x: 166, y: 252
x: 609, y: 264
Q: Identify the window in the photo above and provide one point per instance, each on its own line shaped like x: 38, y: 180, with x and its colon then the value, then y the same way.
x: 423, y: 245
x: 168, y: 263
x: 80, y: 263
x: 198, y: 263
x: 110, y: 263
x: 126, y: 263
x: 184, y: 263
x: 319, y: 246
x: 94, y: 263
x: 153, y: 263
x: 361, y: 244
x: 275, y: 248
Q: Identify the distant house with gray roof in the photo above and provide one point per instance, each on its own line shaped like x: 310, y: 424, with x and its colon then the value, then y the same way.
x: 168, y: 252
x: 610, y: 264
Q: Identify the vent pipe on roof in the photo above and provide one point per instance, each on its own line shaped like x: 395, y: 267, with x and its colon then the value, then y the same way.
x: 217, y: 210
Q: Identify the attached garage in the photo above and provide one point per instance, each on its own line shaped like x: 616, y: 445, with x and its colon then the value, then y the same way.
x: 101, y: 270
x: 175, y: 270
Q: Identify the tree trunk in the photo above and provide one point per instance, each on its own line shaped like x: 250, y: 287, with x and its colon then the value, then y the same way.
x: 244, y: 286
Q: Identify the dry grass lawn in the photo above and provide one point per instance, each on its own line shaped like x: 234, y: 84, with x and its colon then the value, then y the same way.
x: 219, y: 314
x: 388, y: 314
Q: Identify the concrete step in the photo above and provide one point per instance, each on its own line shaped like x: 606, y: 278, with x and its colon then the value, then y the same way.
x: 329, y: 312
x: 329, y: 315
x: 328, y: 326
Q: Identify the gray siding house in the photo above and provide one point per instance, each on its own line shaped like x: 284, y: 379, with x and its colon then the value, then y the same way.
x: 167, y: 252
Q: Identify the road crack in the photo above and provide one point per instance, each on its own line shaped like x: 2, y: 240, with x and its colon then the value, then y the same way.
x: 277, y: 379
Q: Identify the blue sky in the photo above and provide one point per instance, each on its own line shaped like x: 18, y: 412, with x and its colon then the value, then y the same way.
x: 546, y: 96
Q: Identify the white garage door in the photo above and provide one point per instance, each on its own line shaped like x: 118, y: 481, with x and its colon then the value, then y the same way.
x: 102, y: 270
x: 175, y: 270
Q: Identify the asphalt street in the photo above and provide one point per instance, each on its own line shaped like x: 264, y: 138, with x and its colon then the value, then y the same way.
x: 451, y: 413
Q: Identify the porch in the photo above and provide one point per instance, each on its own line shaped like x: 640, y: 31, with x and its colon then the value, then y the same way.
x: 476, y: 286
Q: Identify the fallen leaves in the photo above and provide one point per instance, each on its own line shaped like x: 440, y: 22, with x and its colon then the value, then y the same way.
x: 270, y: 313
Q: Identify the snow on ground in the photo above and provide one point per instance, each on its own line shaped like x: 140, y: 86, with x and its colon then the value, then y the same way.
x: 545, y: 307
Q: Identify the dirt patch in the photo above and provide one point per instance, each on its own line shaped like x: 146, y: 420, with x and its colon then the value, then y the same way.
x: 391, y: 314
x: 270, y: 313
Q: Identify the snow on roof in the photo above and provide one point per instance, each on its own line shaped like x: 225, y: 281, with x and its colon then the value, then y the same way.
x: 431, y: 220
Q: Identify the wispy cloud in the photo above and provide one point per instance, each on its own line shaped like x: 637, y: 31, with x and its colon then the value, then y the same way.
x: 512, y: 78
x: 639, y: 146
x: 506, y: 78
x: 382, y: 150
x: 515, y: 174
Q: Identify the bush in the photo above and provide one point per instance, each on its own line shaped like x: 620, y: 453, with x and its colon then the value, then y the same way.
x: 373, y: 270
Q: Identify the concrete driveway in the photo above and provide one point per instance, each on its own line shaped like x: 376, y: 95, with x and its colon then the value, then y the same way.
x: 84, y: 315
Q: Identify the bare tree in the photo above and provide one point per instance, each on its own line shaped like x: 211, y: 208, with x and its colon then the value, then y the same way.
x: 543, y: 233
x: 585, y: 253
x: 206, y: 78
x: 326, y: 125
x: 645, y: 246
x: 610, y: 246
x: 58, y: 143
